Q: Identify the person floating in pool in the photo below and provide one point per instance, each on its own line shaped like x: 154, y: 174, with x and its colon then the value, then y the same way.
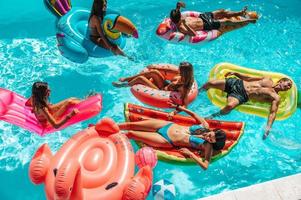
x: 246, y: 88
x: 181, y: 83
x: 164, y: 134
x: 96, y: 32
x: 220, y: 20
x: 47, y: 113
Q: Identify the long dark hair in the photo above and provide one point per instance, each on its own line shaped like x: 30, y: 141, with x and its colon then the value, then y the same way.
x: 175, y: 16
x: 186, y: 73
x: 220, y: 137
x: 40, y: 94
x: 97, y: 8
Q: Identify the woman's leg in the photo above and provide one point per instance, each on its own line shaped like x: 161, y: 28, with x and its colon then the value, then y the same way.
x: 151, y: 125
x: 60, y: 108
x: 150, y: 138
x: 143, y: 81
x: 157, y: 77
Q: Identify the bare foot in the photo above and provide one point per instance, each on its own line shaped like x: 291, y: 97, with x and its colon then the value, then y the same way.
x: 244, y: 11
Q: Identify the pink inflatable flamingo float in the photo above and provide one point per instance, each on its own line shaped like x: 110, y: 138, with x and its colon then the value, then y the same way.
x: 96, y: 163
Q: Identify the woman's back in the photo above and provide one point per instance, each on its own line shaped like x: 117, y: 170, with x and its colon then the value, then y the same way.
x: 93, y: 22
x: 40, y: 115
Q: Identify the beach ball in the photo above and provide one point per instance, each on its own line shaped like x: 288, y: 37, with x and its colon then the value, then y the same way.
x: 164, y: 190
x: 146, y: 156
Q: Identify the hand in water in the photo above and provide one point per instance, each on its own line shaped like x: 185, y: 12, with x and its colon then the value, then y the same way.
x: 130, y: 58
x: 266, y: 133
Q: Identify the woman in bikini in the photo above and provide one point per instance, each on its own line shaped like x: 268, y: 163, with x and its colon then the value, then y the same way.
x: 163, y: 134
x: 96, y: 32
x: 46, y: 113
x: 181, y: 83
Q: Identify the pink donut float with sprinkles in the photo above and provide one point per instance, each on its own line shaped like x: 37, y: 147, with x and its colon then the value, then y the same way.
x: 160, y: 98
x: 167, y: 30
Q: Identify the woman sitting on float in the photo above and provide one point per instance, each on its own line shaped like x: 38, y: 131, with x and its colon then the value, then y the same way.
x: 154, y: 77
x: 46, y: 113
x: 97, y: 36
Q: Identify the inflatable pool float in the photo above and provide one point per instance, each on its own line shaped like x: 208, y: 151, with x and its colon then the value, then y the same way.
x: 160, y: 98
x: 73, y: 35
x: 13, y: 110
x: 168, y: 31
x: 288, y: 102
x: 234, y: 131
x: 95, y: 164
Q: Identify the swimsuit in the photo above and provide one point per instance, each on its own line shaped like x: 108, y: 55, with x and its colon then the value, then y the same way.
x: 163, y: 132
x: 235, y: 88
x: 193, y: 140
x: 209, y: 22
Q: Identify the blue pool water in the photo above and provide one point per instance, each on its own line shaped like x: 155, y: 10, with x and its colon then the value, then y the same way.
x: 28, y: 53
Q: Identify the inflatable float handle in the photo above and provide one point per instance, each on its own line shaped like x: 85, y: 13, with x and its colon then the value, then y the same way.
x: 66, y: 178
x: 39, y: 164
x: 139, y: 187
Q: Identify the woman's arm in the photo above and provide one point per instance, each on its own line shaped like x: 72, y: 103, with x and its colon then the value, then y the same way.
x: 107, y: 43
x: 164, y: 67
x: 29, y: 102
x: 199, y: 161
x: 52, y: 120
x: 198, y: 119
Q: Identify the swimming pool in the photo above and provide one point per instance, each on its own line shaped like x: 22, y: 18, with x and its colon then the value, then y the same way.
x: 28, y: 53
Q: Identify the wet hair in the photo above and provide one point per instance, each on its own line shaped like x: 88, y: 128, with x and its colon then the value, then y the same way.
x: 186, y: 72
x: 40, y: 94
x: 175, y: 15
x: 97, y: 8
x: 285, y: 79
x: 200, y: 131
x: 220, y: 139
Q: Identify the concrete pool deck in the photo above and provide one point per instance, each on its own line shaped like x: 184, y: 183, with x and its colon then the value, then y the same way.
x: 286, y: 188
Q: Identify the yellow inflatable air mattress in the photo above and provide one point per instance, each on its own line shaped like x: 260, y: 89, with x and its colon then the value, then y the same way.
x: 288, y: 103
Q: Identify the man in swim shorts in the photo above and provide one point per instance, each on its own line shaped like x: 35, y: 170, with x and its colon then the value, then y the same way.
x: 246, y: 88
x: 220, y: 20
